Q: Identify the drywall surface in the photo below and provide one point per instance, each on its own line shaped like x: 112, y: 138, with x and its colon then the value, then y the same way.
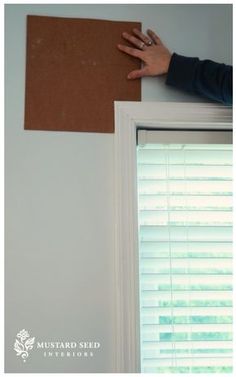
x: 59, y: 196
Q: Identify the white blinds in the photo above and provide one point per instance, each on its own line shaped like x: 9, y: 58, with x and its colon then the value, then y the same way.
x: 185, y: 235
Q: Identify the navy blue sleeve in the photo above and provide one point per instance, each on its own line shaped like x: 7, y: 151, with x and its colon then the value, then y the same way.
x: 204, y: 77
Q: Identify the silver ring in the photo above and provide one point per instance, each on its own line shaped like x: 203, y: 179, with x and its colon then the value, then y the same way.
x: 149, y: 43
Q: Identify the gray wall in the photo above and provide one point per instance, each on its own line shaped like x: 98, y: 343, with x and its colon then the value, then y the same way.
x: 59, y: 192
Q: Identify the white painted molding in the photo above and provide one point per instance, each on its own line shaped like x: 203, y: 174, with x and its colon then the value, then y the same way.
x: 128, y: 117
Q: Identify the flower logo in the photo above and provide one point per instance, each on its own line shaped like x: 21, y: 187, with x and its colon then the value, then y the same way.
x: 23, y: 344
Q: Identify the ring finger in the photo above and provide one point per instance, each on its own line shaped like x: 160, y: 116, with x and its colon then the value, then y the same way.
x: 143, y: 37
x: 135, y: 41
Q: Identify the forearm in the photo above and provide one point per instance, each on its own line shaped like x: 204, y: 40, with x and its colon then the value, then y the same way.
x: 207, y: 78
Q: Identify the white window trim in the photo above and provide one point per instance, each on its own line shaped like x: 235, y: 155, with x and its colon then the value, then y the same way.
x: 128, y: 117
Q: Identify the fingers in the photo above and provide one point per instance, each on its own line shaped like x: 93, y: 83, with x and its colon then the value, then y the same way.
x: 142, y: 36
x: 131, y: 51
x: 138, y: 73
x: 154, y: 37
x: 143, y: 41
x: 135, y: 41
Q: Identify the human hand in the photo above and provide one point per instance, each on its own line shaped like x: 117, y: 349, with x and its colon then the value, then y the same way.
x: 150, y: 49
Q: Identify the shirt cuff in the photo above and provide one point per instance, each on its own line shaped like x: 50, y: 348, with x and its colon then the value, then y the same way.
x: 181, y: 72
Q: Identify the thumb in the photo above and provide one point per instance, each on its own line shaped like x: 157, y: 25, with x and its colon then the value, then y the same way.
x: 137, y: 73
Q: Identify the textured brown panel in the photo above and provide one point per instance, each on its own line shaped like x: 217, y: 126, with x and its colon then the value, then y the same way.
x: 74, y: 73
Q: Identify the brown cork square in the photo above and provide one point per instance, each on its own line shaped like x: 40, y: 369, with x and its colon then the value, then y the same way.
x: 74, y: 73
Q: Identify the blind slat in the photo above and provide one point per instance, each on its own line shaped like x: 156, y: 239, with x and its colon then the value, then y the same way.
x: 186, y: 311
x: 203, y: 361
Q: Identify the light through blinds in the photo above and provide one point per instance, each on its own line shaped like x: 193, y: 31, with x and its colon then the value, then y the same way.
x: 185, y: 256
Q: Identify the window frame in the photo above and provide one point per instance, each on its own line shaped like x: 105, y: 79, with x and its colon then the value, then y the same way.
x: 130, y: 116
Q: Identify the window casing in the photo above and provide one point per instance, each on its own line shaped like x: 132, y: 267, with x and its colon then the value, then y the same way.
x: 130, y: 116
